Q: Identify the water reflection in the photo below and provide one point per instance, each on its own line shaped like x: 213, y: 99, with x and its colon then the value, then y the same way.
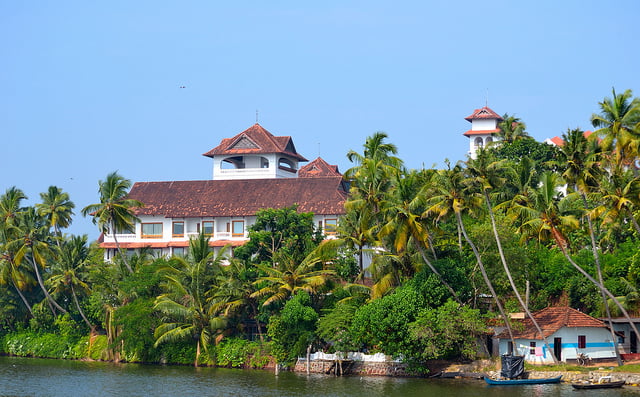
x: 36, y: 377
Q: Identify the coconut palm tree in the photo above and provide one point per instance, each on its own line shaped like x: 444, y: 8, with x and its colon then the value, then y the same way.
x: 234, y: 287
x: 620, y: 198
x: 403, y: 210
x: 114, y: 212
x: 67, y: 272
x: 512, y: 129
x: 57, y: 209
x: 29, y: 243
x: 548, y: 217
x: 488, y: 174
x: 188, y: 314
x: 617, y: 125
x: 580, y: 165
x: 288, y: 277
x: 453, y: 197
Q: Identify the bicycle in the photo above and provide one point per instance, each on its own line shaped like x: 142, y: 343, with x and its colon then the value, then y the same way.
x: 583, y: 359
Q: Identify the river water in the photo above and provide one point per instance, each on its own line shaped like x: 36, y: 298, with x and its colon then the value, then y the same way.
x: 38, y: 377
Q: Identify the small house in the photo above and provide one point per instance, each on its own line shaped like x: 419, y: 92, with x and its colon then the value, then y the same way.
x: 569, y: 332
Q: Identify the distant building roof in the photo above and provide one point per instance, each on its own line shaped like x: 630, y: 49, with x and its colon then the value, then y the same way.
x: 318, y: 167
x: 180, y: 199
x: 557, y: 141
x: 483, y: 113
x: 256, y: 140
x: 481, y: 132
x: 551, y: 319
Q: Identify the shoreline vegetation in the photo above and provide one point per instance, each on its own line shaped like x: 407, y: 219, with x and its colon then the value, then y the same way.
x: 424, y: 264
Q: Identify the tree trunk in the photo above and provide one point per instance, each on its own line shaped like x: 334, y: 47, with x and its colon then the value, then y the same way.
x: 596, y: 256
x: 75, y: 299
x: 597, y: 284
x: 486, y: 279
x: 122, y: 255
x: 509, y: 276
x: 195, y: 364
x: 44, y: 290
x: 435, y: 271
x: 24, y: 299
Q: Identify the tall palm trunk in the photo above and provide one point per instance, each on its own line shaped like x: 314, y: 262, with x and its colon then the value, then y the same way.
x: 486, y: 278
x: 75, y: 299
x: 435, y: 271
x: 509, y: 276
x: 602, y: 288
x: 24, y: 299
x: 596, y: 257
x: 122, y: 255
x: 43, y: 288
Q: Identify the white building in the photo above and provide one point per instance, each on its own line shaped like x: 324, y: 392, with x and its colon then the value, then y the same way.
x: 251, y: 171
x: 569, y: 333
x: 484, y: 129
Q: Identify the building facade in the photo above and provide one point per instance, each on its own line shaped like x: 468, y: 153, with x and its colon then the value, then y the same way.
x: 484, y: 129
x: 251, y: 171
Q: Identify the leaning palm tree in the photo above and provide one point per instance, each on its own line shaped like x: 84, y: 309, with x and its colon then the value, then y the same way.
x: 114, y: 212
x: 487, y: 174
x: 67, y: 273
x: 405, y: 224
x: 57, y: 209
x: 30, y: 243
x: 580, y: 161
x: 453, y: 197
x: 547, y: 216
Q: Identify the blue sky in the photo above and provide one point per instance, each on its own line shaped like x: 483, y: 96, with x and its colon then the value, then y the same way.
x: 90, y: 87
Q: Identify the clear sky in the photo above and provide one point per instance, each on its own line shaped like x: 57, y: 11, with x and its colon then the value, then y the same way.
x: 91, y: 87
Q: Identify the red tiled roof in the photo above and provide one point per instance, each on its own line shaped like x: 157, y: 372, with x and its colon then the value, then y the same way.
x: 256, y: 140
x: 318, y: 167
x: 481, y: 132
x: 556, y: 140
x: 483, y: 113
x: 178, y: 199
x: 551, y: 319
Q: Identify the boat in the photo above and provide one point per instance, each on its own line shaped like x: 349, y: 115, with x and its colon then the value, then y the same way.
x: 604, y: 382
x: 539, y: 381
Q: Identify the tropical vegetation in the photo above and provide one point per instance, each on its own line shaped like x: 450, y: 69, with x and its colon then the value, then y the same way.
x: 424, y: 263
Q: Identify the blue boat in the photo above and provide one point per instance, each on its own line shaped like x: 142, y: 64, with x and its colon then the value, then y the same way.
x: 490, y: 381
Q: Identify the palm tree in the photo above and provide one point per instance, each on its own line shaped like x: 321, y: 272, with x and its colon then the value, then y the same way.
x: 370, y: 175
x: 12, y: 272
x: 617, y: 125
x: 57, y: 209
x: 114, y: 213
x: 403, y: 212
x: 30, y: 243
x: 188, y: 313
x: 453, y: 197
x: 548, y: 217
x: 67, y: 272
x: 232, y: 295
x: 287, y: 277
x: 512, y: 129
x: 488, y: 174
x: 580, y: 163
x: 621, y: 197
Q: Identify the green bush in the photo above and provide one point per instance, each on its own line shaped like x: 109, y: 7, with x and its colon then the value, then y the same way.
x: 31, y: 344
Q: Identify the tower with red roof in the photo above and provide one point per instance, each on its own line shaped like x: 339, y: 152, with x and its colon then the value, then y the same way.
x: 484, y: 129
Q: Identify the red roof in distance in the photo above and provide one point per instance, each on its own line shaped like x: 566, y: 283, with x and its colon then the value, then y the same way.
x: 484, y: 113
x: 255, y: 140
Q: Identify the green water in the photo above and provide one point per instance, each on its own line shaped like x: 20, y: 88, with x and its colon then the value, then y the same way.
x: 37, y: 377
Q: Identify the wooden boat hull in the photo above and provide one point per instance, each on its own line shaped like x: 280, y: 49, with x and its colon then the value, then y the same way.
x: 605, y: 385
x: 507, y: 382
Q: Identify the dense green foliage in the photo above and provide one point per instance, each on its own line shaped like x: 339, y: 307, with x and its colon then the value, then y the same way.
x: 422, y: 261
